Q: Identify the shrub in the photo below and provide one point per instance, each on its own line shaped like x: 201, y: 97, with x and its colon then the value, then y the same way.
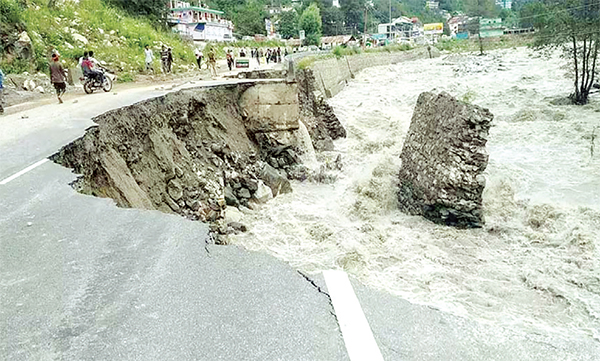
x: 306, y: 63
x: 10, y: 12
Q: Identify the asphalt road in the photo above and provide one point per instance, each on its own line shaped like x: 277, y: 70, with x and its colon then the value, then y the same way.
x: 81, y: 279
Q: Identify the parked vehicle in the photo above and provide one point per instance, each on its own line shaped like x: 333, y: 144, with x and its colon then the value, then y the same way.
x: 91, y: 83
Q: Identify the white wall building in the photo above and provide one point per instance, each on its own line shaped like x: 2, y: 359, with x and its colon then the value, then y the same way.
x: 506, y: 4
x: 432, y: 4
x: 198, y: 23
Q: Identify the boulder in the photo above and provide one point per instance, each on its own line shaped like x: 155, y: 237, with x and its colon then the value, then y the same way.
x: 80, y: 38
x: 244, y: 193
x: 230, y: 198
x: 263, y: 194
x: 274, y: 180
x: 443, y: 159
x: 23, y: 47
x: 29, y: 85
x: 237, y: 227
x: 232, y: 214
x: 175, y: 189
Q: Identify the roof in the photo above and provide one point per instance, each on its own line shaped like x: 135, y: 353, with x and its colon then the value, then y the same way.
x: 197, y: 8
x: 339, y: 39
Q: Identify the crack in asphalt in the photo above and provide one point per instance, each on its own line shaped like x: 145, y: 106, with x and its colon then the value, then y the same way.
x: 320, y: 290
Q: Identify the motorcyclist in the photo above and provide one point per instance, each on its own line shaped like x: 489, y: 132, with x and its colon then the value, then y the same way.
x: 89, y: 65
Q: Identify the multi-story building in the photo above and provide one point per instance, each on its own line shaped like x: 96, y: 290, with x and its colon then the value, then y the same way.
x: 505, y: 4
x: 458, y: 25
x: 199, y: 23
x: 432, y: 4
x: 402, y: 29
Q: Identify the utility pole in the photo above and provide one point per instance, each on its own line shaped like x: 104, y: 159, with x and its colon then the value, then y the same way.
x: 365, y: 30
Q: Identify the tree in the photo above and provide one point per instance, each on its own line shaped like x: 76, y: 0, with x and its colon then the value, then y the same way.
x: 154, y: 9
x: 288, y: 24
x: 333, y: 21
x: 478, y: 9
x: 529, y: 14
x: 249, y: 19
x: 310, y: 21
x: 353, y: 13
x: 574, y: 27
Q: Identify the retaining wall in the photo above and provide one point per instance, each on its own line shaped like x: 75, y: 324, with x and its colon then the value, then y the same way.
x: 331, y: 75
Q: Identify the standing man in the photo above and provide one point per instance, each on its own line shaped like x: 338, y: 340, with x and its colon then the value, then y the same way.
x: 1, y: 90
x: 149, y: 58
x: 212, y: 63
x: 164, y: 58
x: 169, y: 60
x: 230, y: 60
x: 57, y: 77
x: 199, y: 57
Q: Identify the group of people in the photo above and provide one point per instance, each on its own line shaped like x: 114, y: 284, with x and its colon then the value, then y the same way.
x: 211, y: 64
x: 166, y: 59
x: 270, y: 55
x: 90, y: 66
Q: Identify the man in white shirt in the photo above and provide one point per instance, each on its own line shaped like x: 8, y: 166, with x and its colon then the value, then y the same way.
x: 199, y: 57
x: 149, y: 58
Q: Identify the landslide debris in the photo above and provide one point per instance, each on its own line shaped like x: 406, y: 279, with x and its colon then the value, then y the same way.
x: 193, y: 152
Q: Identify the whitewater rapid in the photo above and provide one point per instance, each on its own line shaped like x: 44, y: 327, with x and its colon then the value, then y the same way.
x: 534, y: 267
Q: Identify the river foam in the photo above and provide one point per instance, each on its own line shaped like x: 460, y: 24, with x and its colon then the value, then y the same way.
x: 534, y: 267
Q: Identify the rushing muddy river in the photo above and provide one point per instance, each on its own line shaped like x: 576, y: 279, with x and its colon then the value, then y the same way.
x: 534, y: 267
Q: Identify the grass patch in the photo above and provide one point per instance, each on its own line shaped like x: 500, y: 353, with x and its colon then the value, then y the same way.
x: 306, y: 63
x: 115, y: 37
x: 472, y: 44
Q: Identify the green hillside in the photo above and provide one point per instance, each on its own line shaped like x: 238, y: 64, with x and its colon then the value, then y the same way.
x: 71, y: 27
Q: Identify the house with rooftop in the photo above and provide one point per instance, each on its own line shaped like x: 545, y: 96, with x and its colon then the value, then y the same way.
x: 199, y: 23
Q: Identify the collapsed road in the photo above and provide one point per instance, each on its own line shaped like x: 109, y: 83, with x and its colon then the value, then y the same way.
x: 83, y: 279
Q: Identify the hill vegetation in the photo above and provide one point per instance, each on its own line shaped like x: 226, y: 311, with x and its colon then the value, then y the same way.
x: 70, y: 27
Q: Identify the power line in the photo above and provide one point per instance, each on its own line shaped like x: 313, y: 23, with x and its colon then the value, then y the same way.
x: 559, y: 11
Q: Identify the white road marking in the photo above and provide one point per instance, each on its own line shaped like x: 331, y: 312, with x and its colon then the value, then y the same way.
x: 31, y: 167
x: 356, y: 331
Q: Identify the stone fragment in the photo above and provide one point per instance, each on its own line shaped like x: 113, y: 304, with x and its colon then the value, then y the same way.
x: 263, y: 194
x: 244, y: 193
x: 237, y: 226
x: 172, y: 204
x: 443, y: 159
x: 275, y: 181
x: 175, y: 189
x: 232, y: 214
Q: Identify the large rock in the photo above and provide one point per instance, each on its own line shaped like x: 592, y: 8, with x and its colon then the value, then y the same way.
x: 443, y: 159
x: 274, y: 180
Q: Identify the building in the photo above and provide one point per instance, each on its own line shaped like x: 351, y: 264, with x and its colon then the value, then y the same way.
x: 402, y: 29
x: 432, y: 4
x: 458, y: 25
x: 505, y: 4
x: 199, y: 23
x: 490, y: 28
x: 332, y: 41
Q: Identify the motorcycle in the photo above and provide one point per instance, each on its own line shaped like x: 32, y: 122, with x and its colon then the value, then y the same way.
x: 92, y: 83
